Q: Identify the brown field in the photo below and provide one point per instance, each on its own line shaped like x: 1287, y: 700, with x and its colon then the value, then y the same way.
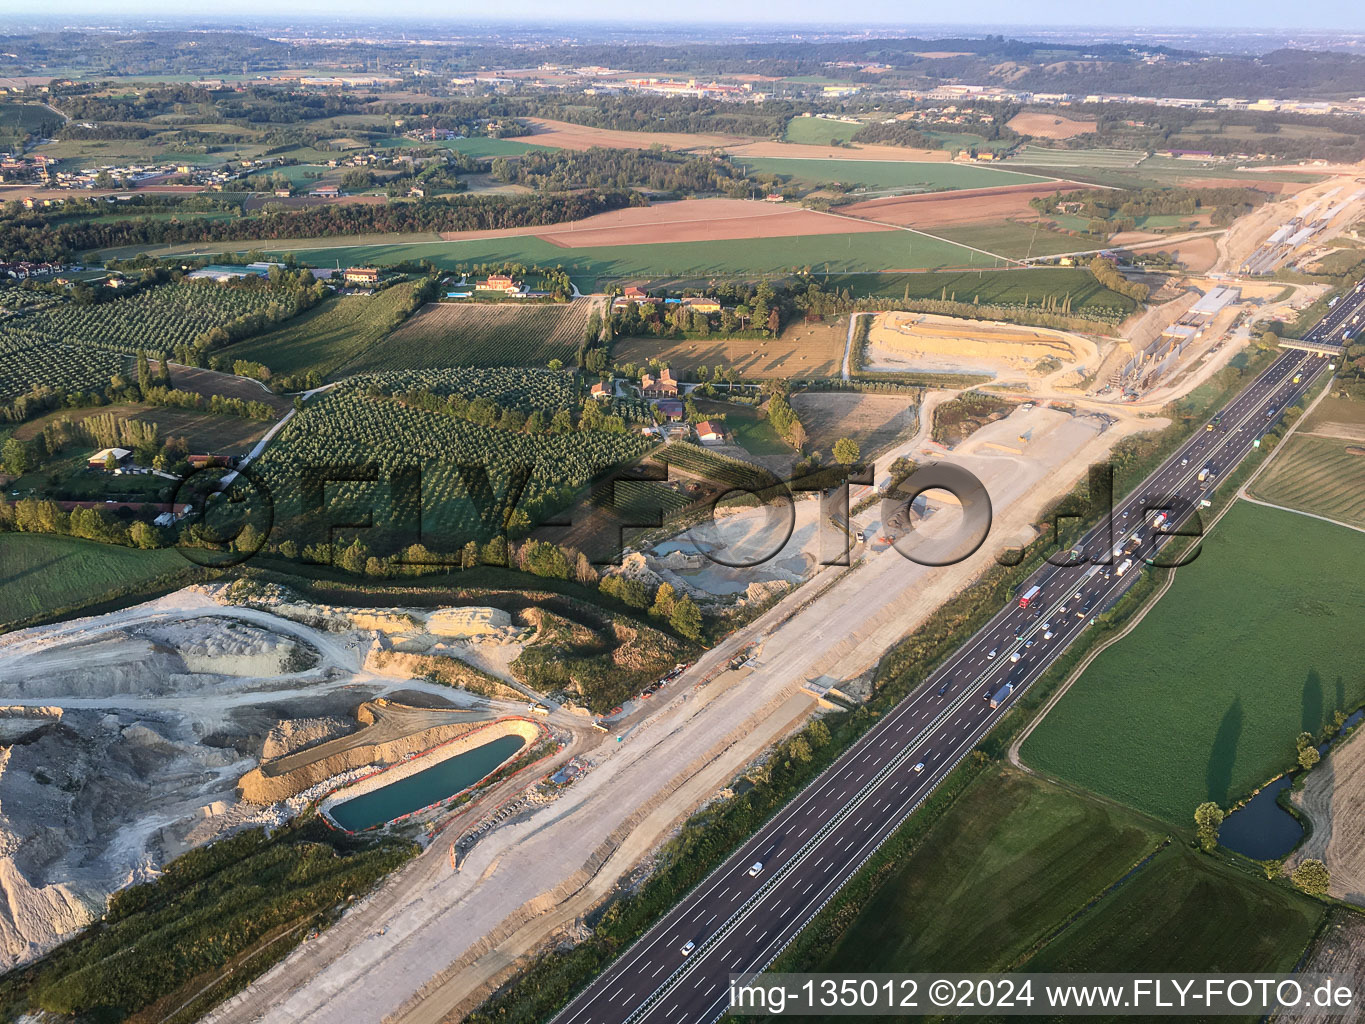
x: 218, y: 435
x: 699, y: 220
x: 1331, y: 798
x: 874, y: 421
x: 685, y: 220
x: 804, y: 350
x: 1267, y: 185
x: 1197, y: 254
x: 1338, y: 952
x: 563, y: 135
x: 482, y: 334
x: 1050, y: 126
x: 967, y: 206
x: 802, y: 151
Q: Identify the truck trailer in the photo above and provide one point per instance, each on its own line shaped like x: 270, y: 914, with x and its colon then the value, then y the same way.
x: 1026, y: 598
x: 1001, y: 695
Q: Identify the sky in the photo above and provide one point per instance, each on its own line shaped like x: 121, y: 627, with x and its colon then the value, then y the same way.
x: 1276, y: 14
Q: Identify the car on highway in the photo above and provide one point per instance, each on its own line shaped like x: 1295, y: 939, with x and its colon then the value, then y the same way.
x: 943, y: 689
x: 991, y: 654
x: 756, y: 869
x: 1029, y: 643
x: 1014, y: 658
x: 687, y: 949
x: 1047, y: 631
x: 919, y: 767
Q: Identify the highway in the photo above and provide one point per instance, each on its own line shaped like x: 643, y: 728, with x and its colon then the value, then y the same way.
x: 748, y: 909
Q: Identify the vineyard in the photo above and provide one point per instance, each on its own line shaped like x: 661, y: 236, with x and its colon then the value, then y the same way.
x: 28, y: 362
x: 507, y: 386
x: 482, y: 334
x: 349, y: 428
x: 159, y: 319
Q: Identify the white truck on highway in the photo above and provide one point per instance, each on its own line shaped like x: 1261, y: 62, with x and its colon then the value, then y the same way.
x: 1124, y: 566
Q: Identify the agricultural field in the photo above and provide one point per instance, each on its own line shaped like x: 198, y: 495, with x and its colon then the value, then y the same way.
x: 1015, y: 239
x: 888, y: 174
x: 803, y: 351
x: 44, y: 574
x: 348, y: 426
x: 211, y: 382
x: 202, y: 431
x: 819, y: 131
x: 1050, y: 126
x: 1014, y: 287
x: 329, y: 335
x: 1005, y: 867
x: 28, y: 362
x: 1321, y: 467
x: 156, y: 319
x: 482, y: 334
x: 1070, y: 159
x: 1203, y: 700
x: 1187, y: 912
x: 592, y: 267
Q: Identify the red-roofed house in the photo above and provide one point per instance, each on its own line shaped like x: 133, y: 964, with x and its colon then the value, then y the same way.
x: 600, y: 390
x: 709, y: 432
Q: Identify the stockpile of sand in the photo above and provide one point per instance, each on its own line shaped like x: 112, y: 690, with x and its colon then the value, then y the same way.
x: 230, y: 647
x: 901, y: 335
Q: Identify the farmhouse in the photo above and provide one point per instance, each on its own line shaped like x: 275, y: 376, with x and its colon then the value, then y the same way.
x: 671, y: 410
x: 326, y: 191
x: 499, y: 283
x: 100, y: 460
x: 701, y: 304
x: 635, y: 293
x: 709, y: 432
x: 600, y: 390
x: 361, y: 275
x: 663, y: 386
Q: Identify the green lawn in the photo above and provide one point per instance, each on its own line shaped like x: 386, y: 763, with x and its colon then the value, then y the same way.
x: 1187, y: 912
x: 818, y: 130
x: 1256, y: 641
x: 1007, y: 865
x: 326, y: 337
x: 928, y: 176
x: 751, y: 429
x: 44, y: 573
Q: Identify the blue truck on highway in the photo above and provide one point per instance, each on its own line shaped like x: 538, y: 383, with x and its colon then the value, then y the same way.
x: 1001, y: 695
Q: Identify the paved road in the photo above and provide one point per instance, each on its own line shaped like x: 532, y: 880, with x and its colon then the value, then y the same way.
x: 738, y: 920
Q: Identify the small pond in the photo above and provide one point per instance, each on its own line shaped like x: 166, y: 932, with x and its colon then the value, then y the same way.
x: 425, y: 787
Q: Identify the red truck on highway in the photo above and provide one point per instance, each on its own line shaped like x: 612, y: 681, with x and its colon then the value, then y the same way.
x: 1027, y: 597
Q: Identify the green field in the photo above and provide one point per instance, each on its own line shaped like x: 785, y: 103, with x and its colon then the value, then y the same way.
x: 44, y: 574
x: 1186, y: 912
x: 1256, y: 641
x: 995, y: 286
x: 876, y: 174
x: 1018, y: 241
x: 202, y: 431
x: 1316, y: 470
x: 17, y: 119
x: 819, y: 131
x: 475, y: 147
x: 1319, y: 475
x: 750, y: 428
x: 867, y: 251
x: 1042, y: 156
x: 1007, y: 865
x: 329, y: 335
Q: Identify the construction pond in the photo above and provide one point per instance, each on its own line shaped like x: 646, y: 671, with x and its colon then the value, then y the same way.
x: 429, y: 780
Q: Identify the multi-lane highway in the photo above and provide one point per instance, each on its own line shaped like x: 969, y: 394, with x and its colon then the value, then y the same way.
x: 747, y: 910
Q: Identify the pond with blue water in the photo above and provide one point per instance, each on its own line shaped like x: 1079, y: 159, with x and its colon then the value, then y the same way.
x: 426, y: 787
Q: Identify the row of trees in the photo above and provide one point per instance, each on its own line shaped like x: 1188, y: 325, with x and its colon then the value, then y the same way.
x: 39, y: 236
